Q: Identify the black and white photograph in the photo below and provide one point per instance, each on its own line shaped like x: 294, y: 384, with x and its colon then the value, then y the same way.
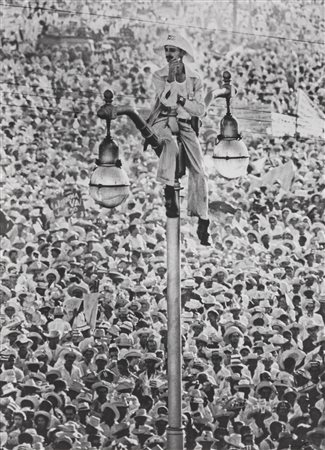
x: 162, y: 226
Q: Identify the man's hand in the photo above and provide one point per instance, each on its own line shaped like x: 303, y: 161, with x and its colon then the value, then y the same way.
x: 94, y: 286
x: 176, y: 70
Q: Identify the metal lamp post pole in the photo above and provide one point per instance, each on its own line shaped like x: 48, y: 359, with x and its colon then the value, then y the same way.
x: 107, y: 181
x: 175, y: 439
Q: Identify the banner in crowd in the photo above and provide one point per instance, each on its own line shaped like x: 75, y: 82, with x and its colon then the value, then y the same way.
x: 283, y: 125
x: 67, y: 203
x: 90, y: 304
x: 49, y: 40
x: 283, y: 173
x: 251, y: 117
x: 310, y: 121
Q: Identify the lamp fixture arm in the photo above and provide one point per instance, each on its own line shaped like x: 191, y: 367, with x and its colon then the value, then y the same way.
x: 151, y: 138
x: 109, y: 112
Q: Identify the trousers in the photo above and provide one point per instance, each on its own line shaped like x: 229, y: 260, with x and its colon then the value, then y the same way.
x: 197, y: 202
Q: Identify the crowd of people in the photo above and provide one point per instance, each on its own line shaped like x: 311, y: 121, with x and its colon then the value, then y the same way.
x: 83, y: 310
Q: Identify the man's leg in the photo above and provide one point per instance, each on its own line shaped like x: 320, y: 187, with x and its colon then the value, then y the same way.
x: 197, y: 182
x: 167, y: 159
x: 167, y: 165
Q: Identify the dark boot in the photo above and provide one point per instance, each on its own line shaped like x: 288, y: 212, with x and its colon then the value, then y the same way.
x: 170, y: 202
x: 202, y: 231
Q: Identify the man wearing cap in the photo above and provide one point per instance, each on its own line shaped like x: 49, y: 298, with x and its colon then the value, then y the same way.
x: 69, y: 371
x: 52, y: 348
x: 219, y: 372
x: 179, y: 101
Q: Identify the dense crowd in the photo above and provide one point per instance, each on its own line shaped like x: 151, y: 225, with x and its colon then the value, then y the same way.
x: 83, y: 315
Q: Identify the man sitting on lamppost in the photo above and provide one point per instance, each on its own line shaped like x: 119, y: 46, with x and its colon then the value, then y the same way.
x: 178, y: 104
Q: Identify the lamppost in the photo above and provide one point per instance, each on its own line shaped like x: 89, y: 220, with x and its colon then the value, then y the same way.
x: 109, y: 187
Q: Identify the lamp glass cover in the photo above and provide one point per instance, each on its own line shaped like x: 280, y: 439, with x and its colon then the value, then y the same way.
x: 231, y: 158
x: 109, y: 186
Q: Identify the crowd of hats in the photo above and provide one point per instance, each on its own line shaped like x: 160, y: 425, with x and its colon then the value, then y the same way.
x: 83, y: 310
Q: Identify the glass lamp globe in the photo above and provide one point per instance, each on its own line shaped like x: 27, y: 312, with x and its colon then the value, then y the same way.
x: 231, y: 158
x: 109, y: 186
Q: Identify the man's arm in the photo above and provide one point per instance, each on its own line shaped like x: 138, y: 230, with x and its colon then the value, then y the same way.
x: 195, y: 106
x: 166, y: 91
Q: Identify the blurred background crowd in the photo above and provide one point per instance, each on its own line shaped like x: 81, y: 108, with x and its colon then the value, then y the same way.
x: 83, y: 313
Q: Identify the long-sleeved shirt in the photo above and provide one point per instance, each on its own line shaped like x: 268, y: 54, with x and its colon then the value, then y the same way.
x: 191, y: 90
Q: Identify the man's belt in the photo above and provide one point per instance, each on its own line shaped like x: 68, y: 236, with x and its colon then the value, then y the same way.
x: 188, y: 121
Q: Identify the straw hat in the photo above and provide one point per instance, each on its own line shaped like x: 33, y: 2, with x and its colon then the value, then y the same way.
x: 113, y: 408
x: 231, y: 330
x: 45, y: 414
x: 94, y: 422
x: 8, y: 389
x: 234, y: 440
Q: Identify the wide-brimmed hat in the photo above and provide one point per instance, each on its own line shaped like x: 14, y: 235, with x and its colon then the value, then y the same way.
x: 70, y: 428
x: 36, y: 336
x: 206, y: 436
x: 94, y: 422
x: 101, y: 385
x: 141, y: 413
x: 278, y: 339
x: 243, y: 384
x: 112, y: 407
x: 5, y: 290
x: 31, y: 385
x: 45, y: 414
x: 70, y: 351
x: 125, y: 385
x: 143, y: 430
x: 151, y: 357
x: 33, y: 362
x: 133, y: 354
x: 23, y: 339
x: 202, y: 337
x: 121, y: 428
x: 265, y: 384
x: 52, y: 372
x: 8, y: 389
x: 101, y: 356
x: 77, y: 386
x: 157, y: 441
x: 89, y: 348
x: 229, y: 331
x: 295, y: 353
x: 161, y: 418
x: 176, y: 40
x: 123, y: 340
x: 236, y: 361
x: 74, y: 287
x: 53, y: 395
x: 234, y: 440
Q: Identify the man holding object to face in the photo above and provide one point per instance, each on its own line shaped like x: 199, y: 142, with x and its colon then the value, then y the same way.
x: 179, y: 100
